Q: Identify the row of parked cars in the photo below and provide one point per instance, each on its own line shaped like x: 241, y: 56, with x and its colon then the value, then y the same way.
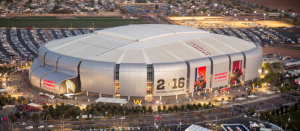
x: 256, y: 35
x: 39, y: 127
x: 26, y: 42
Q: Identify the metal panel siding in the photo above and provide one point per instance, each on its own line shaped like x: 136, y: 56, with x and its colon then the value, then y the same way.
x: 37, y: 63
x: 68, y: 65
x: 41, y: 53
x: 133, y: 79
x: 253, y: 63
x: 97, y: 77
x: 37, y: 74
x: 51, y: 59
x: 220, y: 71
x: 56, y: 77
x: 168, y: 72
x: 195, y: 64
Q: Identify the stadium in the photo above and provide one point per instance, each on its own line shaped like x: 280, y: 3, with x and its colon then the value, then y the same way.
x: 149, y: 61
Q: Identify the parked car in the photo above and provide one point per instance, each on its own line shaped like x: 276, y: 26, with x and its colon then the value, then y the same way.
x: 29, y: 127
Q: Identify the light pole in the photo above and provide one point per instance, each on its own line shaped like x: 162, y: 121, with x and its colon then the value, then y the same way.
x: 63, y: 122
x: 180, y: 126
x: 254, y: 15
x: 282, y: 14
x: 216, y: 120
x: 234, y: 19
x: 264, y: 19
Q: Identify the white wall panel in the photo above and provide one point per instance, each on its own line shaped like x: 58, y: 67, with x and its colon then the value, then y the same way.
x: 220, y: 71
x: 133, y: 79
x: 51, y: 59
x: 253, y: 63
x: 68, y: 65
x: 36, y: 63
x: 97, y: 77
x: 41, y: 53
x: 37, y: 74
x: 56, y: 78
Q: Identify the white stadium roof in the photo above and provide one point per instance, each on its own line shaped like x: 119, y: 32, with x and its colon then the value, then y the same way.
x: 148, y: 43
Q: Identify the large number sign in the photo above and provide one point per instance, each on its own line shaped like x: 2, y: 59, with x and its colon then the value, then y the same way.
x: 237, y: 72
x: 200, y: 78
x: 167, y: 86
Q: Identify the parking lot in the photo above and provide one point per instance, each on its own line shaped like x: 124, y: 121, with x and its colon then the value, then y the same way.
x: 262, y: 36
x: 26, y: 42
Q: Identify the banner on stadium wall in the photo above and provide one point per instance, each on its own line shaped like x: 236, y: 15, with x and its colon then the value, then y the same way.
x: 200, y: 78
x: 236, y: 72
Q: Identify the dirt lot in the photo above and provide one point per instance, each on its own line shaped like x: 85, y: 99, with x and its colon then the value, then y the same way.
x: 238, y: 23
x: 282, y: 52
x: 280, y: 4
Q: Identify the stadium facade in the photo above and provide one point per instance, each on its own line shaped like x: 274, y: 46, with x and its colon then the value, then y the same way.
x: 145, y: 61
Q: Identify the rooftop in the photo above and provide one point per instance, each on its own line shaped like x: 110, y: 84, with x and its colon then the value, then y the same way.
x: 148, y: 43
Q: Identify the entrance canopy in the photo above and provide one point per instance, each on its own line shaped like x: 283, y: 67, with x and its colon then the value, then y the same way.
x: 196, y: 128
x: 4, y: 90
x: 70, y: 94
x: 254, y: 125
x: 111, y: 100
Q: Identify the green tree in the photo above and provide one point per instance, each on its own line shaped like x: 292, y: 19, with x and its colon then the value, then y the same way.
x: 96, y: 112
x: 18, y: 115
x: 11, y: 117
x: 138, y: 109
x: 164, y: 107
x: 182, y: 107
x: 199, y: 105
x: 156, y: 7
x: 159, y: 108
x: 170, y: 108
x: 35, y: 117
x: 48, y: 116
x: 150, y: 109
x: 144, y: 109
x: 175, y: 107
x: 45, y: 106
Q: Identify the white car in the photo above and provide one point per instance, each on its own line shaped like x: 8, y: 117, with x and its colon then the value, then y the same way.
x: 245, y: 116
x: 120, y: 129
x: 138, y: 128
x: 128, y: 128
x: 23, y: 124
x: 29, y: 127
x: 41, y: 126
x: 41, y: 93
x: 50, y: 126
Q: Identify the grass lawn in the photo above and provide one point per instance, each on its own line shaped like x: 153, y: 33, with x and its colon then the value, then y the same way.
x: 102, y: 22
x: 294, y: 118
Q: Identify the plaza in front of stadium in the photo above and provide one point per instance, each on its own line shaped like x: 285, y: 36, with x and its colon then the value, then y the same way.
x: 145, y: 62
